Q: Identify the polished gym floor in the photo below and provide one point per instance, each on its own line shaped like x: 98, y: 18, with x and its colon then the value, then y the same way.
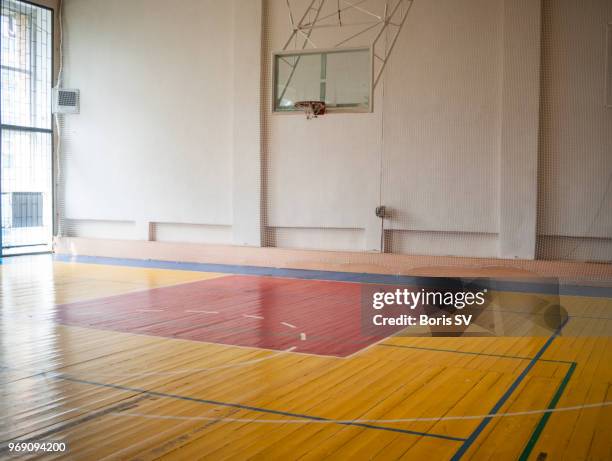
x: 137, y: 360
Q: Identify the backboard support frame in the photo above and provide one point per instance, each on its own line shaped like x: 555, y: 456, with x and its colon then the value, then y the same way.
x: 393, y: 19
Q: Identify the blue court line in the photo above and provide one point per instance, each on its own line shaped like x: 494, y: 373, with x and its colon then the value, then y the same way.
x: 474, y: 435
x: 553, y: 403
x: 552, y: 287
x: 454, y: 351
x: 249, y: 407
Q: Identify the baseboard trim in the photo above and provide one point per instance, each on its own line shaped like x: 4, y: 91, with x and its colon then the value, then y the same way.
x: 341, y: 261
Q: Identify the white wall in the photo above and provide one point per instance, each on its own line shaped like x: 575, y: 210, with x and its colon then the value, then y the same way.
x: 153, y: 142
x: 442, y: 128
x: 457, y: 127
x: 322, y: 175
x: 576, y: 145
x: 447, y: 115
x: 247, y: 147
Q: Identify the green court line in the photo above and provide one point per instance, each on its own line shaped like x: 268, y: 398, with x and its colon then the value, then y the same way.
x: 552, y: 405
x: 546, y: 416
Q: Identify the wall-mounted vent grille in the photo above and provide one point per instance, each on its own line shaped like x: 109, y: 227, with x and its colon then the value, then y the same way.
x: 66, y: 101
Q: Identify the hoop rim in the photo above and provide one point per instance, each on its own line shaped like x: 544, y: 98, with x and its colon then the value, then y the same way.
x: 312, y: 107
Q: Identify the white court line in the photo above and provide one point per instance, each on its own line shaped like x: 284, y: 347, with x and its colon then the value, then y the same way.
x: 252, y: 316
x: 196, y: 370
x: 288, y: 325
x: 380, y: 421
x: 356, y: 421
x: 202, y: 312
x: 149, y: 310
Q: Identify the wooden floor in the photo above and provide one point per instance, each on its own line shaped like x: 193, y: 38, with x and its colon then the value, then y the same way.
x: 144, y: 363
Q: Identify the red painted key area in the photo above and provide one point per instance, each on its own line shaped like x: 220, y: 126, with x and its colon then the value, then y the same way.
x: 310, y: 316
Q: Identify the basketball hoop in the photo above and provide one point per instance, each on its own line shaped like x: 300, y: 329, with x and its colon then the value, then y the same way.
x: 312, y: 109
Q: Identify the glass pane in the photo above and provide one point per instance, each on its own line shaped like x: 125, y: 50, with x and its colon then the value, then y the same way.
x: 26, y: 186
x: 26, y: 65
x: 298, y: 80
x: 348, y: 79
x: 340, y: 78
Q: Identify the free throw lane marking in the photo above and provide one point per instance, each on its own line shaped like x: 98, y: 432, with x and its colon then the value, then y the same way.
x: 259, y: 317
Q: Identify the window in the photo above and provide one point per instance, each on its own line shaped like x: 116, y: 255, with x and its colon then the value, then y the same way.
x: 27, y: 209
x: 26, y: 134
x: 341, y: 78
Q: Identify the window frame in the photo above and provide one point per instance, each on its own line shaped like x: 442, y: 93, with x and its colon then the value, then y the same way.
x: 30, y: 128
